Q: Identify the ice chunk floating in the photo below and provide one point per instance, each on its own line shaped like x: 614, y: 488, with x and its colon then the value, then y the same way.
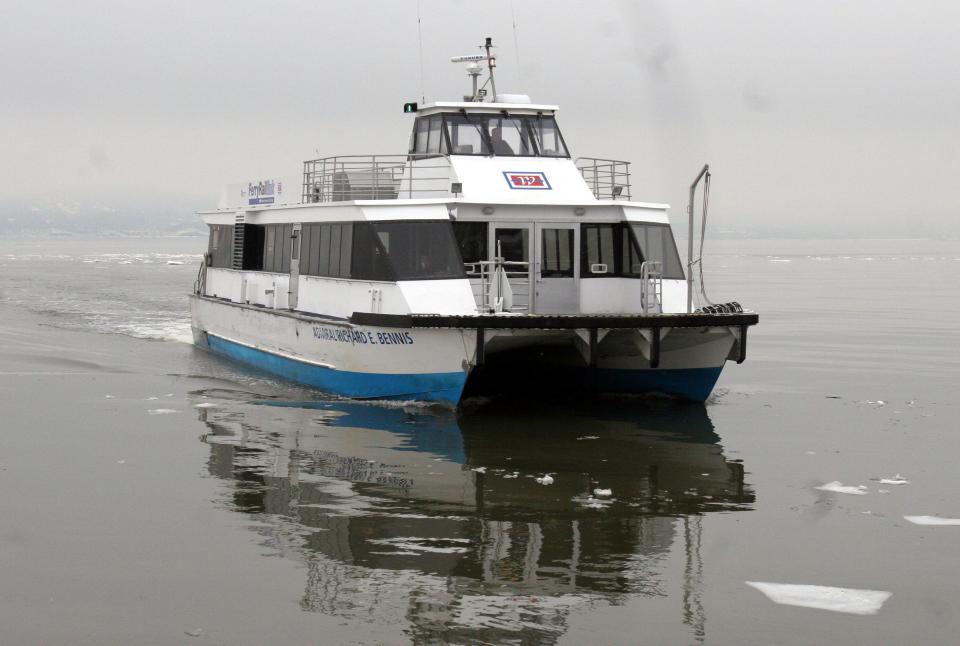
x: 839, y: 487
x: 932, y: 520
x: 895, y: 480
x: 848, y: 600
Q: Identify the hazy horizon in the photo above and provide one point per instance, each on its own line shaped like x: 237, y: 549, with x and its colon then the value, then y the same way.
x: 816, y: 119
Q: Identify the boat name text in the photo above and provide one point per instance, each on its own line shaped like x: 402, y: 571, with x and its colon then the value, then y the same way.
x: 362, y: 337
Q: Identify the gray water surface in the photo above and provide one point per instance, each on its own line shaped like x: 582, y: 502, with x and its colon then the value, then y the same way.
x: 151, y: 493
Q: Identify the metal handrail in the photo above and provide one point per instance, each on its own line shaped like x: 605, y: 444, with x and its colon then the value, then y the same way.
x: 651, y: 286
x: 609, y: 179
x: 518, y: 275
x: 376, y: 177
x: 200, y: 284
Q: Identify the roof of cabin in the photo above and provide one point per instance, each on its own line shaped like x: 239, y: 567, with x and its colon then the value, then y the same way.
x: 513, y: 108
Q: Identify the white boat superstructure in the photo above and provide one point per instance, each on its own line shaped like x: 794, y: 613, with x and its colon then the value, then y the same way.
x: 486, y: 255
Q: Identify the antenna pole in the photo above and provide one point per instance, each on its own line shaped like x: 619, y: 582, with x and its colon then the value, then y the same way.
x: 423, y: 94
x: 491, y: 63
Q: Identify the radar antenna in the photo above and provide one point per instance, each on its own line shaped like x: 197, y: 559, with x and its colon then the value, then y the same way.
x: 475, y: 69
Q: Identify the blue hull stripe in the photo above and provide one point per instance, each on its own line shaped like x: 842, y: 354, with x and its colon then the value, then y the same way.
x: 688, y: 383
x: 444, y: 387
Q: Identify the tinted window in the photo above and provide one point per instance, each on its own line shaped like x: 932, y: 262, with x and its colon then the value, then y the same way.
x: 657, y: 244
x: 221, y: 245
x: 326, y: 250
x: 598, y: 250
x: 369, y: 258
x: 557, y: 253
x: 472, y: 242
x: 420, y: 250
x: 512, y: 245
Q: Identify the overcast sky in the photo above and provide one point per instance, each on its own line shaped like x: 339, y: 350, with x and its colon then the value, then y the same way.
x: 818, y: 116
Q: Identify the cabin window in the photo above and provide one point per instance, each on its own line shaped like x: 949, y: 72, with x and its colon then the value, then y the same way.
x: 369, y: 255
x: 505, y: 135
x: 598, y: 248
x: 466, y: 137
x: 277, y: 246
x: 557, y: 253
x: 221, y: 246
x: 326, y: 250
x: 547, y: 136
x: 429, y: 136
x: 420, y: 250
x: 657, y: 244
x: 510, y: 136
x: 472, y: 242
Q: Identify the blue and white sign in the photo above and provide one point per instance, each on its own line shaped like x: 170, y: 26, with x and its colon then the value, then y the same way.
x: 264, y: 192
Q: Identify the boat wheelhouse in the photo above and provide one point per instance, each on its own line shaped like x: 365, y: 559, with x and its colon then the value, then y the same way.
x: 486, y: 257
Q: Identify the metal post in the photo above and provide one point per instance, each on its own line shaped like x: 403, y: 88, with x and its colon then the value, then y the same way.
x: 693, y: 188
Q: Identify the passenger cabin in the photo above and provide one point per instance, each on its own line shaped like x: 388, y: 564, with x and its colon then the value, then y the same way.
x: 486, y: 212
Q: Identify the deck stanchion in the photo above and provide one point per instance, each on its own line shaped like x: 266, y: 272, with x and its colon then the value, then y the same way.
x: 655, y: 347
x: 742, y: 341
x: 480, y: 358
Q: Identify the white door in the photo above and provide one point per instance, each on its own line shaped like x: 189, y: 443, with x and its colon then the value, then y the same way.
x: 555, y: 272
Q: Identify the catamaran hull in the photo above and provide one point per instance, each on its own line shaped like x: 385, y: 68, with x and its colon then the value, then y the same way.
x: 380, y: 360
x: 355, y: 361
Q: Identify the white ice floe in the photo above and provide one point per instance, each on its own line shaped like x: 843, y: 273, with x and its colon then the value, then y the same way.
x: 150, y: 399
x: 515, y: 474
x: 205, y: 405
x: 932, y: 520
x: 479, y: 469
x: 895, y: 480
x: 603, y: 493
x: 838, y: 487
x: 161, y: 411
x: 848, y: 600
x: 546, y: 480
x: 589, y: 437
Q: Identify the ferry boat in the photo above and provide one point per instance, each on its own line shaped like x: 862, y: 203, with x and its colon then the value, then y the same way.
x: 486, y: 257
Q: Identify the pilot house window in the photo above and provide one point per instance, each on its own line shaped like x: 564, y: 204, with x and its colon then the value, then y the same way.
x: 504, y: 135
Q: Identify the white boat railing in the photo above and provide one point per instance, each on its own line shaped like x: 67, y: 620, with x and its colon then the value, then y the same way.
x: 376, y: 177
x: 609, y: 179
x: 651, y: 287
x: 503, y: 285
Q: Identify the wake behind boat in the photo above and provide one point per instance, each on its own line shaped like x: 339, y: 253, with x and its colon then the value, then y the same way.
x: 484, y: 258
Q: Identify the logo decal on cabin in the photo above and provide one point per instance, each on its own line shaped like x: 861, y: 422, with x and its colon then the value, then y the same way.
x: 529, y: 180
x: 264, y: 192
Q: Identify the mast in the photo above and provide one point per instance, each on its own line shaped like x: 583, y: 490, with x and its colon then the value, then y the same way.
x: 473, y: 61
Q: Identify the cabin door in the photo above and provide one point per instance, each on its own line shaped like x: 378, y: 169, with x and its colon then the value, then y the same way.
x: 555, y: 275
x: 293, y: 291
x: 514, y: 243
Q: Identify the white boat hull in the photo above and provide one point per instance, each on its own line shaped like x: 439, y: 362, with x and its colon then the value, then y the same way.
x: 362, y: 362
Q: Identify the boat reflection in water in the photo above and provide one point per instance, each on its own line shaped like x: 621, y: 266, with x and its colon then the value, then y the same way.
x: 442, y: 524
